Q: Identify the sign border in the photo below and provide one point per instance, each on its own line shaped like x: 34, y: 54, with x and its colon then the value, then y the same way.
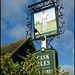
x: 54, y: 55
x: 56, y: 22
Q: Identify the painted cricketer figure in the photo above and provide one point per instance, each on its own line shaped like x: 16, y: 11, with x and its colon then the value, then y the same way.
x: 44, y: 21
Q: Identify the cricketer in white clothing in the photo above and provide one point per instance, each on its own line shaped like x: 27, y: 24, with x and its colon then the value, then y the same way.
x: 44, y: 21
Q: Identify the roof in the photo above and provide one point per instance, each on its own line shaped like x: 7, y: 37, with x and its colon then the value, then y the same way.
x: 13, y: 46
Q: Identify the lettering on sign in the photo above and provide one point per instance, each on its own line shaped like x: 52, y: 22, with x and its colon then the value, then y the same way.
x: 46, y: 56
x: 44, y: 60
x: 47, y: 71
x: 47, y: 61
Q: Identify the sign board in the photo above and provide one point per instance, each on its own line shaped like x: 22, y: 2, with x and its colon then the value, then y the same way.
x: 48, y: 60
x: 45, y: 22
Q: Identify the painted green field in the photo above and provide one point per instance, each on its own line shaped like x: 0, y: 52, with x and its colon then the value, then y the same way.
x: 51, y: 26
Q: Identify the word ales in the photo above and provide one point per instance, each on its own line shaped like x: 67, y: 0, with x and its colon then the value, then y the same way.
x: 44, y: 60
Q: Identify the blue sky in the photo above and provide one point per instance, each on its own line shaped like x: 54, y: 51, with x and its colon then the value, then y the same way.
x: 13, y: 20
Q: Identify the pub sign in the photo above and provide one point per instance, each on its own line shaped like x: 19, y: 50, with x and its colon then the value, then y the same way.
x: 48, y: 60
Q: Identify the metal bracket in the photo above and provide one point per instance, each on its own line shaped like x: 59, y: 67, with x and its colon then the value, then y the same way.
x: 43, y: 4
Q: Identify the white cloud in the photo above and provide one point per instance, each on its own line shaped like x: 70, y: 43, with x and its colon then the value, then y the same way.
x: 17, y: 32
x: 65, y: 43
x: 15, y: 13
x: 13, y: 17
x: 3, y: 25
x: 68, y: 68
x: 12, y: 11
x: 69, y: 11
x: 69, y: 4
x: 68, y: 39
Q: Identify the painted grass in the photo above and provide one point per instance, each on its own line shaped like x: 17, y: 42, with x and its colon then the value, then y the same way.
x: 51, y: 26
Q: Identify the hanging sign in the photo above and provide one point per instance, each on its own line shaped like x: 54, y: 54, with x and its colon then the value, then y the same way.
x: 45, y: 22
x: 48, y: 60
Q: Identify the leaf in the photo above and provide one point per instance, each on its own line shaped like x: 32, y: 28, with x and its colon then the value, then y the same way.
x: 4, y: 72
x: 22, y: 63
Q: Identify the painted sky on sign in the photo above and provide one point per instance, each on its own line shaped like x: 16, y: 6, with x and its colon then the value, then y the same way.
x: 13, y: 21
x: 50, y: 12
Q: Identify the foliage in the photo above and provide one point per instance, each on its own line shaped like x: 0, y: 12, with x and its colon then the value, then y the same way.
x: 38, y: 22
x: 8, y: 67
